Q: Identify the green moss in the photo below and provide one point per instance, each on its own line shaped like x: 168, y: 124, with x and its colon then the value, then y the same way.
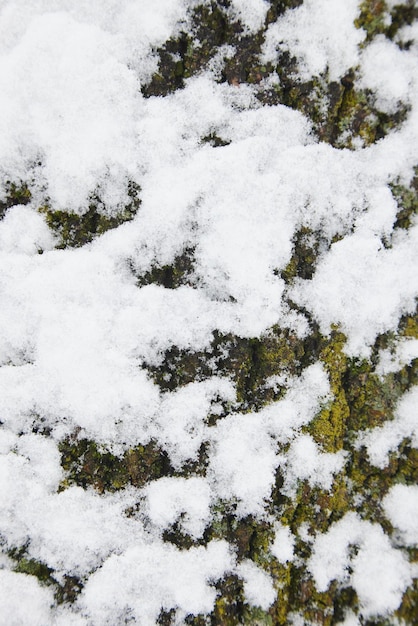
x: 405, y: 462
x: 249, y: 536
x: 357, y: 121
x: 340, y: 114
x: 407, y: 201
x: 66, y: 590
x: 215, y: 141
x: 34, y: 568
x: 184, y: 56
x: 171, y: 68
x: 344, y: 598
x: 318, y: 99
x: 402, y: 14
x: 307, y: 246
x: 278, y: 7
x: 200, y: 620
x: 166, y: 618
x: 355, y: 118
x: 188, y: 54
x: 75, y: 230
x: 376, y: 19
x: 275, y: 353
x: 180, y: 272
x: 146, y: 463
x: 372, y: 17
x: 282, y: 578
x: 409, y: 326
x: 372, y: 399
x: 248, y: 362
x: 408, y: 610
x: 329, y: 426
x: 86, y: 464
x: 361, y: 400
x: 229, y: 603
x: 256, y: 616
x: 15, y: 193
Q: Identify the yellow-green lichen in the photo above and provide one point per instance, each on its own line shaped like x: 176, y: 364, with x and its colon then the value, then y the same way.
x: 328, y: 428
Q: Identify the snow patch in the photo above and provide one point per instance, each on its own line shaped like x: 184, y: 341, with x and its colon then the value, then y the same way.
x: 401, y: 507
x: 380, y: 573
x: 313, y: 32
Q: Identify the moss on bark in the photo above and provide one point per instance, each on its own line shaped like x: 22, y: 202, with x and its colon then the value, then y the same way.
x: 14, y: 193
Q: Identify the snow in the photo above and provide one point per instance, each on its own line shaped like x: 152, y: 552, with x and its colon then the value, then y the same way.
x: 283, y: 545
x: 379, y: 573
x: 166, y: 578
x: 181, y: 425
x: 179, y: 499
x: 79, y: 337
x: 24, y: 232
x: 391, y: 88
x: 23, y: 600
x: 401, y: 507
x: 382, y: 440
x: 305, y: 461
x: 360, y: 275
x: 251, y: 13
x: 258, y: 586
x: 243, y: 462
x: 314, y: 32
x: 393, y: 360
